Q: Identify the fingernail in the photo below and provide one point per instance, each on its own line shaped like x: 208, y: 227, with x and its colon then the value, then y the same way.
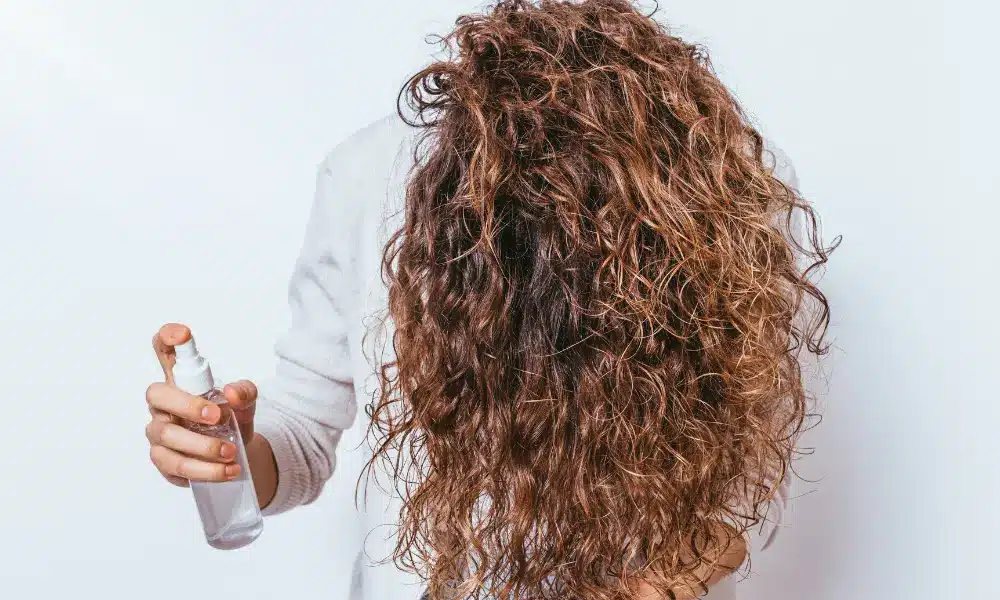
x: 232, y: 471
x: 227, y: 451
x: 210, y: 413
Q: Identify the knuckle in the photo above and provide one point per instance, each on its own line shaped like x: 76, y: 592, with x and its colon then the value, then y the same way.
x: 196, y: 404
x: 164, y: 434
x: 181, y: 467
x: 151, y: 391
x: 218, y: 472
x: 154, y: 457
x: 214, y: 447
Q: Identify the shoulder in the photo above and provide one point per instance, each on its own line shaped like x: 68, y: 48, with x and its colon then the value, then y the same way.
x: 370, y: 151
x: 358, y: 174
x: 357, y: 181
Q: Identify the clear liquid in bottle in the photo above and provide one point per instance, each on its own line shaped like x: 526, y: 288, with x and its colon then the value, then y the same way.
x: 229, y: 511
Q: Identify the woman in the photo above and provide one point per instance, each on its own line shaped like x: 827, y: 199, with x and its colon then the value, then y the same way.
x: 587, y: 385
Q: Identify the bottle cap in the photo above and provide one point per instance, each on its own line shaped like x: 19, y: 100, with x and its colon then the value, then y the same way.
x: 192, y: 373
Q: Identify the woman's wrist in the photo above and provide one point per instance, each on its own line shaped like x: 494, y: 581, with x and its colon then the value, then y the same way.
x: 263, y: 469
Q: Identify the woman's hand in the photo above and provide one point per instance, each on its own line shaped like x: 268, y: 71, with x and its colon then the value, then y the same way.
x: 179, y: 454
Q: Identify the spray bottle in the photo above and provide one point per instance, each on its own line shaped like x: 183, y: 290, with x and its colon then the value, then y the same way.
x: 229, y: 511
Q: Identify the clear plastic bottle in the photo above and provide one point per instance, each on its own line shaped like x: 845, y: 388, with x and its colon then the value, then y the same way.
x: 229, y: 511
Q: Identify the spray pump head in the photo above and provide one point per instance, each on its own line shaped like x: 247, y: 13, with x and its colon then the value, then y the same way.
x: 192, y: 373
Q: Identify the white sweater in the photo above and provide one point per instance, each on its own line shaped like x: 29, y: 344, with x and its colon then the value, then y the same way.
x: 323, y: 370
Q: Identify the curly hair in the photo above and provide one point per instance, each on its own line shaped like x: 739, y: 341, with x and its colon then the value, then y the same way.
x: 599, y: 310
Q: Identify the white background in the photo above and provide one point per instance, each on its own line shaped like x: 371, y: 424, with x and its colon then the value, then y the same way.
x: 157, y: 162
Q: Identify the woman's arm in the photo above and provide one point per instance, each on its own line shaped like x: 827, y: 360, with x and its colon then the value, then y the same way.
x: 263, y: 469
x: 310, y: 401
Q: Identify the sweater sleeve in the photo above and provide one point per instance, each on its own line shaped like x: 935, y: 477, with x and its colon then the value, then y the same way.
x: 304, y: 409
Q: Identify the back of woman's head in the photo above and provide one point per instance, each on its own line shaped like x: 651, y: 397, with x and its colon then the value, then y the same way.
x: 598, y: 307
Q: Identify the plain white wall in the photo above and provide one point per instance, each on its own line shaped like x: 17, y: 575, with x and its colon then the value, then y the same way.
x: 157, y: 162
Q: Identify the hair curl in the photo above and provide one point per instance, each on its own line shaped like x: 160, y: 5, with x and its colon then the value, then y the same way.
x: 597, y: 303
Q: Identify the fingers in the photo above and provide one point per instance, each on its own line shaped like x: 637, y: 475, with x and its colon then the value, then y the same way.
x: 185, y: 441
x: 168, y: 399
x: 164, y: 341
x: 167, y: 438
x: 162, y: 417
x: 173, y: 464
x: 178, y: 453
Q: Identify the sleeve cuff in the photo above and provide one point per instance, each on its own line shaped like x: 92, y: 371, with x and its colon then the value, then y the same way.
x: 292, y: 484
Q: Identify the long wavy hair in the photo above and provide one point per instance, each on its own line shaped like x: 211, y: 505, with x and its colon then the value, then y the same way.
x: 599, y: 309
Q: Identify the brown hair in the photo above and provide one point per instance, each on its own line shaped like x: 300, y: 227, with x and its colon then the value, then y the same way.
x: 599, y: 309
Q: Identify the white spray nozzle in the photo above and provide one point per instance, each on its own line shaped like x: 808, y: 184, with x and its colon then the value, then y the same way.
x: 192, y: 373
x: 187, y: 349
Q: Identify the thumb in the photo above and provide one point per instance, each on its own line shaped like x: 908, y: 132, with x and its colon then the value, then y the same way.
x: 242, y: 398
x: 166, y: 338
x: 241, y: 395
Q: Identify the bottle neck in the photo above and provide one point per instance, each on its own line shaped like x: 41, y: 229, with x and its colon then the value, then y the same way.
x: 194, y: 377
